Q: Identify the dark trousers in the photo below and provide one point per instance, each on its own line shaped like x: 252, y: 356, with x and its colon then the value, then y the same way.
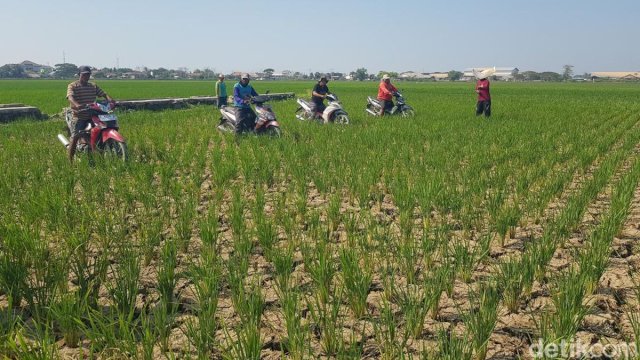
x: 483, y: 107
x: 386, y: 106
x: 222, y: 101
x: 319, y: 107
x: 246, y: 120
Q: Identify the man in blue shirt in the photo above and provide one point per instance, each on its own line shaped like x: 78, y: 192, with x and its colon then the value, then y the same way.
x: 242, y: 93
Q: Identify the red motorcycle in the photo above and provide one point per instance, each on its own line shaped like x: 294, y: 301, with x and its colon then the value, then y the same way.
x: 101, y: 133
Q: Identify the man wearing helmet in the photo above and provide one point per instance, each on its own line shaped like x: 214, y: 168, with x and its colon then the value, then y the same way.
x: 81, y: 93
x: 319, y: 93
x: 242, y: 93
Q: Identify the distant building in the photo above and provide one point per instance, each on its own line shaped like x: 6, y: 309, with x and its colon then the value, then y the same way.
x: 30, y: 66
x: 502, y: 73
x: 412, y: 75
x: 618, y: 75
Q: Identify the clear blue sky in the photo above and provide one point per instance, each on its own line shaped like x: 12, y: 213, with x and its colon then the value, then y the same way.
x: 328, y: 35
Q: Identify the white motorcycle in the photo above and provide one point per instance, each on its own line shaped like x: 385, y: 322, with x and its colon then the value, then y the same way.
x: 332, y: 113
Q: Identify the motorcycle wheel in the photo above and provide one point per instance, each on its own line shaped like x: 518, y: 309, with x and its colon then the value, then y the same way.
x: 408, y: 112
x: 274, y: 131
x: 227, y: 127
x: 341, y: 119
x: 301, y: 114
x: 116, y: 148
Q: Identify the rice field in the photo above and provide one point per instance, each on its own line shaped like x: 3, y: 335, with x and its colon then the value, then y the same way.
x: 444, y: 236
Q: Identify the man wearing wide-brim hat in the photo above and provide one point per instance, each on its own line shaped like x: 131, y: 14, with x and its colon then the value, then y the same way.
x: 483, y: 106
x: 386, y: 90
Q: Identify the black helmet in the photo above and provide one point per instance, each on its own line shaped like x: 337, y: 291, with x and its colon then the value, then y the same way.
x: 324, y: 78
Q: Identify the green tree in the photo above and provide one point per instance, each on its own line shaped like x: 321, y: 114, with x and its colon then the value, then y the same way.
x: 65, y: 71
x: 392, y: 74
x: 361, y: 74
x: 550, y: 76
x: 530, y: 75
x: 12, y: 71
x: 455, y: 75
x: 268, y: 73
x: 567, y: 72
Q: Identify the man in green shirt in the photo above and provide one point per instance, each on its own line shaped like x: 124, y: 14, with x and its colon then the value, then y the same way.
x: 221, y: 91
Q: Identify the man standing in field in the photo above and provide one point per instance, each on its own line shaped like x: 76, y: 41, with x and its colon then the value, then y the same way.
x: 242, y: 93
x: 221, y: 91
x: 484, y: 97
x: 385, y: 94
x: 318, y: 94
x: 80, y: 93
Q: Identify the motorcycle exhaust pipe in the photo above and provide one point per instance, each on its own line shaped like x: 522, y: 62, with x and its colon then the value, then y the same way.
x: 371, y: 112
x: 63, y: 140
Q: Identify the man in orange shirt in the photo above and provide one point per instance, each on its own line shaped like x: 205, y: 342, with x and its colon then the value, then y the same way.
x: 385, y: 94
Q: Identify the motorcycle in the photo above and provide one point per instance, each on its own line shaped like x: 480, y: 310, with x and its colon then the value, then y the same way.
x: 401, y: 108
x: 101, y: 133
x: 266, y: 122
x: 332, y: 113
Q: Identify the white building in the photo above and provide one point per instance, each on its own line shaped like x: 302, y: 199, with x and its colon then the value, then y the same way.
x: 502, y: 73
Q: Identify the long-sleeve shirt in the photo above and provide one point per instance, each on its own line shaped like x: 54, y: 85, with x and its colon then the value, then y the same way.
x: 386, y: 91
x: 221, y: 89
x: 240, y: 93
x: 482, y: 86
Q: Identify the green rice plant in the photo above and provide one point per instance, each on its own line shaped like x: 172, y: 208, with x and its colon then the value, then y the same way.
x: 167, y: 277
x: 247, y: 342
x: 186, y: 214
x: 319, y: 264
x: 415, y: 303
x: 357, y: 280
x: 481, y: 318
x: 408, y: 252
x: 14, y: 262
x: 124, y: 287
x: 237, y: 214
x: 67, y: 312
x: 297, y: 342
x: 209, y: 228
x: 386, y: 328
x: 507, y: 221
x: 151, y: 234
x: 48, y: 275
x: 437, y: 282
x: 267, y: 234
x: 567, y: 299
x: 42, y: 347
x: 466, y: 260
x: 206, y: 275
x: 634, y: 320
x: 512, y: 282
x: 283, y: 266
x: 325, y: 314
x: 452, y: 347
x: 89, y: 271
x: 9, y: 325
x: 334, y: 217
x: 147, y: 335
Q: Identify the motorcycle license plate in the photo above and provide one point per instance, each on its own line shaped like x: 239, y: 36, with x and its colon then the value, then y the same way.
x: 107, y: 117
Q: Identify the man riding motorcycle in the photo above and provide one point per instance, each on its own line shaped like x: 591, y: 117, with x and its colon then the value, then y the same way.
x: 81, y: 93
x: 385, y: 94
x: 319, y: 93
